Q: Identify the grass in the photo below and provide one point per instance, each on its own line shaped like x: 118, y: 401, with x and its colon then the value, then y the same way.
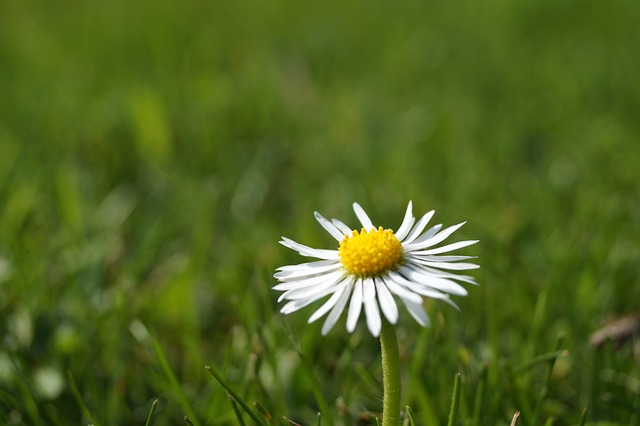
x: 152, y: 153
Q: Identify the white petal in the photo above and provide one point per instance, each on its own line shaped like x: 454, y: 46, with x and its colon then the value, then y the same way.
x: 416, y: 288
x: 309, y: 281
x: 295, y: 305
x: 407, y: 223
x: 414, y: 306
x: 423, y: 239
x: 310, y: 290
x: 308, y: 251
x: 341, y: 226
x: 308, y: 270
x: 371, y: 308
x: 400, y: 291
x: 355, y: 306
x: 422, y: 223
x: 441, y: 274
x: 337, y: 310
x: 417, y: 312
x: 438, y: 283
x: 429, y: 292
x: 329, y: 303
x: 362, y: 217
x: 308, y: 265
x: 387, y: 304
x: 442, y: 235
x: 448, y: 247
x: 452, y: 303
x: 335, y: 233
x: 442, y: 258
x: 454, y: 266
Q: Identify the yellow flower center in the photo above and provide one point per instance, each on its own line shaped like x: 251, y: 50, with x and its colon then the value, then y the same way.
x: 370, y: 253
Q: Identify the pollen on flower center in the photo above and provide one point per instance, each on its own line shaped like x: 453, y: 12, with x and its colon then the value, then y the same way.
x: 370, y: 253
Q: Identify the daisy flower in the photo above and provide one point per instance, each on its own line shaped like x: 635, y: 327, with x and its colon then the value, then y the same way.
x: 371, y: 268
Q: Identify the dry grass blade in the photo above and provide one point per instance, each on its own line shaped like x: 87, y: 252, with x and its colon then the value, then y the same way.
x: 235, y: 396
x: 617, y: 331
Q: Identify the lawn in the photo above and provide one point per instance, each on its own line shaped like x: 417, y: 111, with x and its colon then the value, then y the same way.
x: 153, y: 153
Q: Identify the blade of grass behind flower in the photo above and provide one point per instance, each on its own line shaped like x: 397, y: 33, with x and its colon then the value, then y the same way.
x: 366, y: 377
x: 220, y: 399
x: 583, y: 417
x: 265, y: 413
x: 270, y: 357
x: 544, y: 391
x: 235, y: 396
x: 28, y: 403
x: 79, y: 400
x: 315, y: 386
x: 154, y: 405
x: 173, y: 381
x: 455, y: 401
x: 540, y: 359
x: 515, y: 391
x: 478, y: 402
x: 427, y: 411
x: 236, y: 410
x: 286, y: 419
x: 31, y: 406
x: 415, y: 389
x: 409, y: 420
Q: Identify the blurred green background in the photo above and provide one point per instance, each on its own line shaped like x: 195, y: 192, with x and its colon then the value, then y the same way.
x: 153, y: 152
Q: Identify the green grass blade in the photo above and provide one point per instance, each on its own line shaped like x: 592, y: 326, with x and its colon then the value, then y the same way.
x: 516, y: 392
x: 542, y: 395
x: 154, y: 405
x: 173, y: 381
x: 583, y: 416
x: 235, y: 396
x: 288, y: 420
x: 80, y: 400
x: 315, y: 386
x: 455, y: 401
x: 425, y: 401
x: 265, y: 413
x: 540, y: 359
x: 236, y: 410
x: 478, y: 402
x: 409, y: 420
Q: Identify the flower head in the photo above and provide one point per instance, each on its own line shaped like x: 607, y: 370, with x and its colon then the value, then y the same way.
x: 372, y: 267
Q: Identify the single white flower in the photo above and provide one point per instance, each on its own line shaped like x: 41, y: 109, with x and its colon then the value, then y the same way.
x: 370, y: 267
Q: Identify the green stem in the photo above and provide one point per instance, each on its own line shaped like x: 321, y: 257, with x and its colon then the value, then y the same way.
x: 390, y: 374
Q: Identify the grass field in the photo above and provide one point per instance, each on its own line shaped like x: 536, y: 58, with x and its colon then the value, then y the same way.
x: 152, y: 153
